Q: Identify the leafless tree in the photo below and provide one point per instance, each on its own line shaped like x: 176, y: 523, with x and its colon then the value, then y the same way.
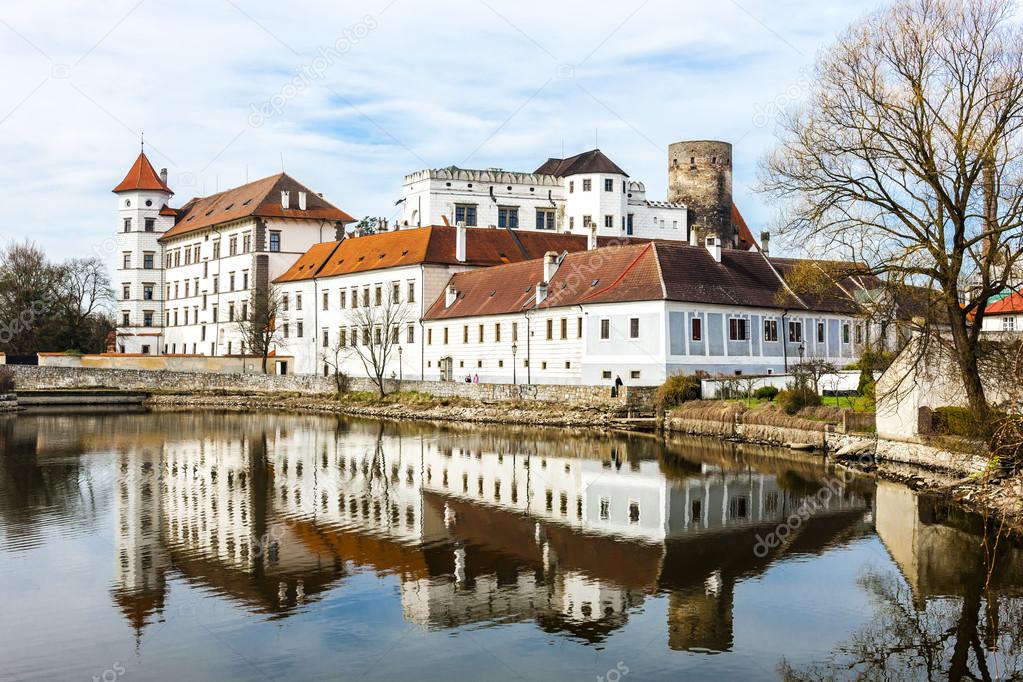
x: 907, y: 158
x: 376, y: 334
x: 258, y: 327
x: 810, y: 371
x: 87, y: 297
x: 334, y: 358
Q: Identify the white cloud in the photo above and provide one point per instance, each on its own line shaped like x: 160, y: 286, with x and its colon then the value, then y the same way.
x: 440, y: 83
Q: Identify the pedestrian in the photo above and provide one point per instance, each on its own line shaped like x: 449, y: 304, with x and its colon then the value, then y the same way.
x: 618, y: 384
x: 475, y: 378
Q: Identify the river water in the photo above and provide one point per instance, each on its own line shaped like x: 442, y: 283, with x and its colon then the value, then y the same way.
x: 223, y: 546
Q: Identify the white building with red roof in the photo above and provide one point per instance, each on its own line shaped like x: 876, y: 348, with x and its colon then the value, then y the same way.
x: 1005, y: 315
x: 186, y: 276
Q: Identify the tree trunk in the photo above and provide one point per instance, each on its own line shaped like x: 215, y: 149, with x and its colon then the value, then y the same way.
x: 969, y: 367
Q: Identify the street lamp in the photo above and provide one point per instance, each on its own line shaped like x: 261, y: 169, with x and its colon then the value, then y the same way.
x: 400, y: 350
x: 515, y: 349
x: 802, y: 349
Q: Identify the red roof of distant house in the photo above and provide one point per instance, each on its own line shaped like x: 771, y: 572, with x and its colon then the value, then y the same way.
x: 261, y: 198
x: 1010, y: 304
x: 746, y: 240
x: 142, y: 176
x: 432, y: 245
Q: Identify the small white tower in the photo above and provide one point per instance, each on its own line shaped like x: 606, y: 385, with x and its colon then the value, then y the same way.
x: 143, y: 216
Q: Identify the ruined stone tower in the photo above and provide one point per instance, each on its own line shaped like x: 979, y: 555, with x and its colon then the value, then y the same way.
x: 700, y: 176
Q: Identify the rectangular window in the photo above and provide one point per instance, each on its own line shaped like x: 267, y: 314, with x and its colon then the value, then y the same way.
x: 230, y: 281
x: 587, y: 221
x: 298, y: 301
x: 355, y: 297
x: 429, y: 337
x: 245, y: 280
x: 395, y: 292
x: 634, y: 328
x: 216, y: 310
x: 737, y: 329
x: 445, y: 336
x: 150, y: 224
x: 365, y: 297
x: 845, y: 332
x: 326, y: 300
x: 465, y: 213
x: 378, y: 295
x: 465, y: 333
x: 342, y: 298
x: 481, y: 333
x: 411, y: 297
x: 342, y: 337
x: 127, y: 224
x: 571, y: 186
x: 326, y: 337
x: 820, y: 332
x: 126, y: 261
x: 587, y: 185
x: 232, y: 246
x: 300, y: 329
x: 550, y: 329
x: 125, y: 319
x: 246, y: 243
x: 564, y: 328
x: 410, y: 337
x: 147, y: 319
x: 515, y: 332
x: 605, y: 329
x: 545, y: 219
x: 697, y: 328
x: 609, y: 221
x: 216, y: 284
x: 377, y: 336
x: 147, y: 292
x: 578, y: 327
x: 497, y: 332
x: 770, y: 330
x: 859, y: 333
x: 609, y: 185
x: 286, y: 330
x: 126, y: 292
x: 275, y: 242
x: 628, y: 224
x: 1008, y: 323
x: 216, y: 249
x: 508, y: 216
x: 795, y: 332
x: 230, y: 313
x: 147, y: 261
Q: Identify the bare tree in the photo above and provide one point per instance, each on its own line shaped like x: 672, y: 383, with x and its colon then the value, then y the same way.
x: 87, y: 297
x: 258, y: 326
x: 334, y: 358
x: 907, y: 157
x: 809, y: 372
x: 376, y: 333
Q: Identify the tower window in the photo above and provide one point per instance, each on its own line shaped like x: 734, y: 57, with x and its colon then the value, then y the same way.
x: 150, y: 224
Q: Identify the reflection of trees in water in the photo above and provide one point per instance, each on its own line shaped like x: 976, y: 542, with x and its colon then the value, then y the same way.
x: 36, y: 492
x: 954, y: 638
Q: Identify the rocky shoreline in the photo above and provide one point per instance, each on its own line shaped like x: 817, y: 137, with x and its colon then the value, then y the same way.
x: 1000, y: 498
x: 443, y: 411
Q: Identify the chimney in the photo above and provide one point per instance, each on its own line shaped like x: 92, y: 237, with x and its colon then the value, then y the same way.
x: 550, y: 266
x: 301, y: 201
x: 163, y: 175
x: 450, y: 296
x: 285, y: 198
x: 541, y: 292
x: 765, y: 242
x: 591, y: 238
x: 713, y: 247
x: 460, y: 235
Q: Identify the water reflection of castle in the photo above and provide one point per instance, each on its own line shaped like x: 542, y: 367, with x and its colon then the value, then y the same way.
x: 569, y: 533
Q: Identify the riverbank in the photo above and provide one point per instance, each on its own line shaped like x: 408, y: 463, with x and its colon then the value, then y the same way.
x: 406, y: 406
x: 934, y: 468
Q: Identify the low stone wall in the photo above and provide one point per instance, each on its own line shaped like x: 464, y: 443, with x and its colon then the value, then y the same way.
x: 635, y: 400
x: 223, y: 364
x: 8, y: 402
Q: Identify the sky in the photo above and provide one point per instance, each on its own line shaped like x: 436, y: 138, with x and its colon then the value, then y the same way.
x: 350, y: 97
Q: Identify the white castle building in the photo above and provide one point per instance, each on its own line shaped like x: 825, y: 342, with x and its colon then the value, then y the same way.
x: 581, y: 194
x: 186, y: 276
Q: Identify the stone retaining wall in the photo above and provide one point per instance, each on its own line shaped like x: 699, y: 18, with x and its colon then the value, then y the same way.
x: 8, y: 402
x: 635, y: 400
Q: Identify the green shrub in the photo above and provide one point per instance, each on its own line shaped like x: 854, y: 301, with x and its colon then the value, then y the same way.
x: 678, y: 389
x: 766, y: 393
x: 792, y: 400
x: 957, y: 421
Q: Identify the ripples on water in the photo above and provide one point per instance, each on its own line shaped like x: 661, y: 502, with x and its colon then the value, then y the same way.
x: 226, y: 546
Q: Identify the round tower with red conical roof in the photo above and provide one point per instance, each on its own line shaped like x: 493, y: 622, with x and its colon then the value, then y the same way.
x: 143, y: 215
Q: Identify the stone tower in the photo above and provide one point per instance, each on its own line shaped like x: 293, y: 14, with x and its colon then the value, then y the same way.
x: 700, y: 176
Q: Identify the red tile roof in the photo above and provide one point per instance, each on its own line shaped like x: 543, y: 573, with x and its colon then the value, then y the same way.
x: 746, y: 240
x: 432, y: 245
x: 1010, y: 304
x: 261, y: 198
x: 142, y: 176
x: 658, y: 270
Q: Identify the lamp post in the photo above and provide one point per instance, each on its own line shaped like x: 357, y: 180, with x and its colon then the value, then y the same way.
x: 400, y: 350
x: 802, y: 349
x: 514, y: 349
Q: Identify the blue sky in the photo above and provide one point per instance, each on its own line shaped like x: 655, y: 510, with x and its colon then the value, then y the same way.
x: 384, y: 87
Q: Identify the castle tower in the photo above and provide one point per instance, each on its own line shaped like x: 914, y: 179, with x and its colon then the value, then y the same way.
x: 143, y: 215
x: 700, y: 176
